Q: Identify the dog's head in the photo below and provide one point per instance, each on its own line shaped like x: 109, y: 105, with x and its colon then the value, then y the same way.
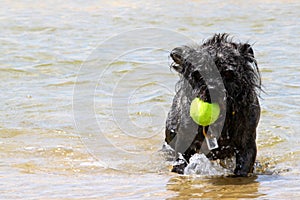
x: 219, y: 61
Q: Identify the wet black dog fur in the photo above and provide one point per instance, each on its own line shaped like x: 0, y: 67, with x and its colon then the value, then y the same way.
x: 236, y: 90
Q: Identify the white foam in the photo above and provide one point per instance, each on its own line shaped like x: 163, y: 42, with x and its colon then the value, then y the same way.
x: 201, y: 165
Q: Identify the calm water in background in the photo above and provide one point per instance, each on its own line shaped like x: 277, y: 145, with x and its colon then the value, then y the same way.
x: 51, y: 146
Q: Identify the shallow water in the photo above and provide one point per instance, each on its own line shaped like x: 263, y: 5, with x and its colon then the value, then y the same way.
x: 85, y: 95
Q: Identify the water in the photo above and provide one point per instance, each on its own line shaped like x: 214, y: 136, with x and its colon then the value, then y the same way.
x: 85, y: 96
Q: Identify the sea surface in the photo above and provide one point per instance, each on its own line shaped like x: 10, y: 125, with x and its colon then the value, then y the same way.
x: 86, y: 87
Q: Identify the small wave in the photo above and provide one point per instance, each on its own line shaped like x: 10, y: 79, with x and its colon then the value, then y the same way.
x: 94, y: 164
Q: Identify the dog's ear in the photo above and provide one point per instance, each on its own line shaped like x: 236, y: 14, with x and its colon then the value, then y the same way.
x: 246, y: 50
x: 177, y: 55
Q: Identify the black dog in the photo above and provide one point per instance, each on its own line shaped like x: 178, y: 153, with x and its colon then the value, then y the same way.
x: 224, y: 72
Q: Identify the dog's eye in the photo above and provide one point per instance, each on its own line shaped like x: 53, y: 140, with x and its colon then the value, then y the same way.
x: 228, y: 74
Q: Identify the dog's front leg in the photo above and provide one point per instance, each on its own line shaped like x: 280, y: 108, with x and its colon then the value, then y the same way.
x: 246, y: 146
x: 185, y: 137
x: 245, y: 159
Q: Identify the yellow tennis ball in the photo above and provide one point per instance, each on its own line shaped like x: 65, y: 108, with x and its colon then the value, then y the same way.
x: 204, y: 113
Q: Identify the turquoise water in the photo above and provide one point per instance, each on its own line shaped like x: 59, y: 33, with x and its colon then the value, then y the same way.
x: 86, y: 88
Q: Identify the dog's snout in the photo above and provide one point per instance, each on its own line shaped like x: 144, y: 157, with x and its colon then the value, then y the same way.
x: 176, y: 55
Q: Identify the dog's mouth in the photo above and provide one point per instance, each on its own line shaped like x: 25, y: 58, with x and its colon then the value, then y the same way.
x: 177, y: 67
x: 176, y: 55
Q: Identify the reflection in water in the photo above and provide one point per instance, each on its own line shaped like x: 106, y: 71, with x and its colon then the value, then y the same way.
x: 214, y: 187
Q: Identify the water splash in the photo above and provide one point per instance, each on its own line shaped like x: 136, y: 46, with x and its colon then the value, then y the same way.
x: 200, y: 165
